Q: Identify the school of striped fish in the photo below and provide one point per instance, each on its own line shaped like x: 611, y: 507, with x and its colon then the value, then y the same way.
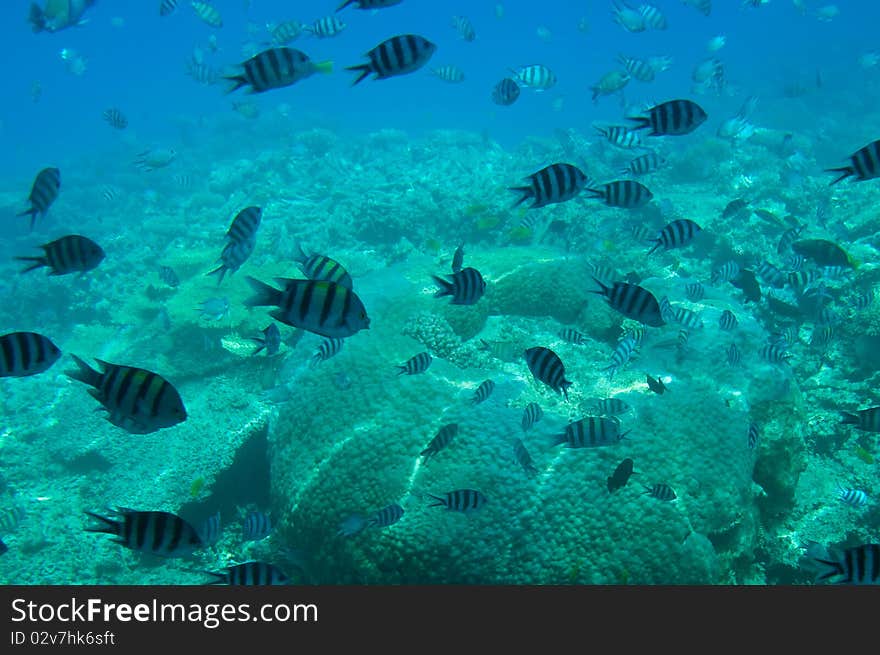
x: 406, y: 348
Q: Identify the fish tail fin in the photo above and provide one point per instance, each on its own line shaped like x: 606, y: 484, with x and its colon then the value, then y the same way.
x: 345, y: 4
x: 849, y: 418
x: 84, y: 373
x: 32, y: 212
x: 39, y: 262
x: 439, y: 502
x: 526, y: 192
x: 220, y: 578
x: 446, y: 287
x: 657, y: 244
x: 845, y: 172
x: 238, y: 81
x: 108, y: 525
x: 643, y: 122
x: 565, y: 385
x: 300, y: 257
x: 325, y: 67
x: 364, y: 70
x: 603, y: 291
x: 221, y: 270
x: 265, y: 294
x: 262, y: 346
x: 830, y: 569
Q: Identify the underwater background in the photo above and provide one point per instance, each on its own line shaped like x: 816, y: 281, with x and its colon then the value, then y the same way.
x: 752, y: 460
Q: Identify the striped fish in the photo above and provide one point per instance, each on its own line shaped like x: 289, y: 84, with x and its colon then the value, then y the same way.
x: 464, y: 27
x: 167, y: 7
x: 660, y: 491
x: 325, y: 308
x: 327, y: 349
x: 604, y: 273
x: 531, y: 415
x: 460, y: 500
x: 726, y: 272
x: 369, y: 4
x: 536, y: 76
x: 637, y: 332
x: 552, y: 184
x: 449, y: 73
x: 210, y: 531
x: 728, y: 320
x: 321, y: 267
x: 754, y: 434
x: 115, y: 118
x: 621, y: 136
x: 326, y: 27
x: 233, y: 256
x: 466, y: 287
x: 245, y: 224
x: 771, y: 275
x: 250, y: 574
x: 632, y: 301
x: 851, y: 497
x: 858, y: 565
x: 416, y: 364
x: 256, y: 526
x: 284, y: 33
x: 864, y: 164
x: 10, y: 519
x: 862, y: 301
x: 506, y: 92
x: 270, y: 341
x: 676, y: 234
x: 156, y: 533
x: 789, y: 237
x: 695, y: 291
x: 169, y: 277
x: 398, y: 55
x: 69, y: 254
x: 821, y: 335
x: 275, y: 68
x: 774, y: 353
x: 637, y: 68
x: 644, y: 164
x: 863, y: 419
x: 683, y: 336
x: 522, y: 457
x: 546, y: 367
x: 672, y: 118
x: 44, y: 191
x: 621, y: 355
x: 386, y: 516
x: 797, y: 280
x: 795, y: 261
x: 207, y: 13
x: 572, y: 336
x: 654, y: 18
x: 458, y: 258
x: 442, y: 439
x: 591, y: 432
x: 483, y: 392
x: 622, y: 193
x: 136, y: 400
x: 610, y: 407
x: 26, y: 353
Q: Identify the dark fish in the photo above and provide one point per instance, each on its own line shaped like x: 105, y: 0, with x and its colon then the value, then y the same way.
x: 660, y: 491
x: 774, y: 353
x: 245, y: 224
x: 168, y: 276
x: 136, y: 400
x: 156, y: 533
x: 864, y: 419
x: 325, y: 308
x: 167, y: 7
x: 483, y: 392
x: 43, y: 193
x: 546, y: 366
x: 369, y: 4
x: 864, y: 164
x: 250, y: 574
x: 276, y: 68
x: 748, y: 284
x: 572, y: 336
x: 672, y: 118
x: 466, y: 287
x: 728, y: 320
x: 398, y: 55
x: 531, y: 415
x: 632, y: 301
x: 620, y: 477
x: 440, y: 441
x: 69, y: 254
x: 270, y: 341
x: 676, y: 234
x: 623, y: 193
x: 591, y: 432
x: 386, y: 516
x: 824, y: 253
x: 3, y: 547
x: 522, y: 457
x: 754, y: 434
x: 858, y: 565
x: 552, y: 184
x: 321, y: 267
x: 327, y: 349
x: 656, y: 386
x: 416, y: 364
x: 257, y: 526
x: 458, y: 259
x: 326, y: 27
x: 115, y: 118
x: 734, y: 207
x: 460, y: 500
x: 210, y: 530
x: 26, y: 353
x: 506, y: 92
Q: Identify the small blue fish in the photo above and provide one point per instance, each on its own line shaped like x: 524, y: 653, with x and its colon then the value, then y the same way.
x: 270, y: 341
x: 214, y: 309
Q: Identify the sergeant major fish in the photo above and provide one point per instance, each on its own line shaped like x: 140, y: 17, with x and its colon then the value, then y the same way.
x: 26, y: 353
x: 672, y: 118
x: 250, y: 574
x: 466, y: 287
x: 440, y: 441
x: 156, y: 533
x: 276, y: 68
x: 44, y: 191
x: 536, y: 76
x: 321, y: 267
x: 398, y: 55
x: 460, y: 500
x: 369, y: 4
x: 506, y: 92
x: 546, y: 367
x: 553, y: 184
x: 69, y: 254
x: 207, y: 13
x: 416, y: 364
